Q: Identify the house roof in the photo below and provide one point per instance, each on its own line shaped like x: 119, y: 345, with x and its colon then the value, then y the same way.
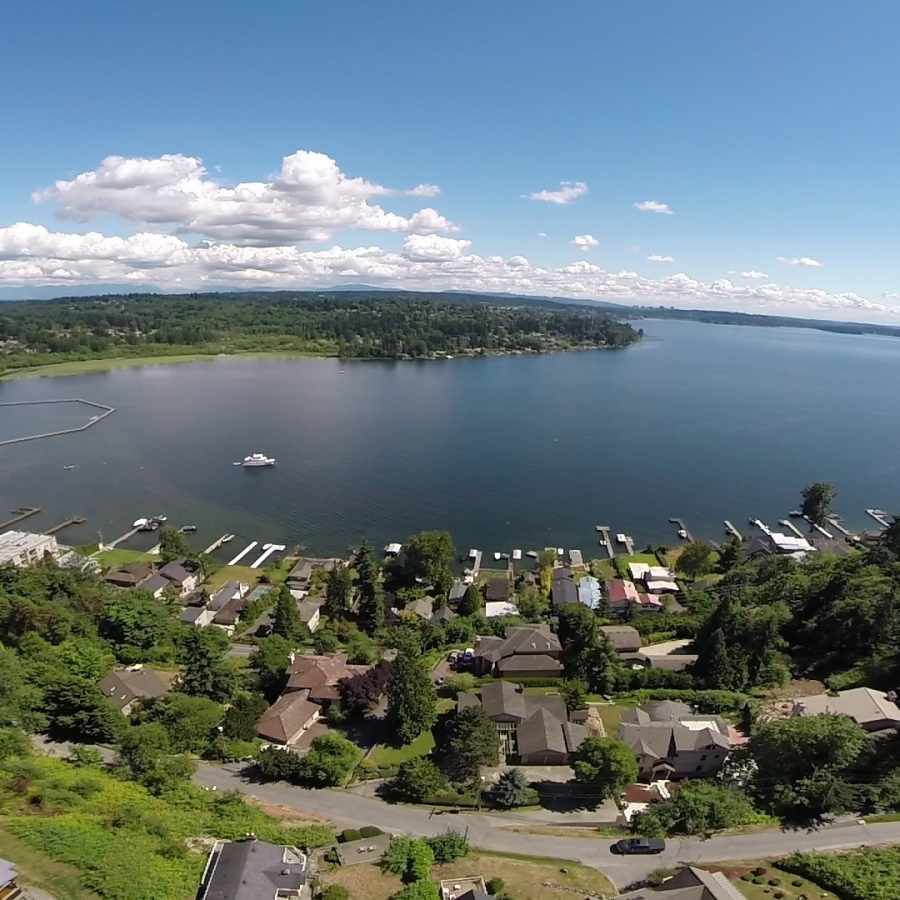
x: 672, y: 662
x: 192, y: 614
x: 423, y: 607
x: 531, y: 639
x: 503, y: 698
x: 458, y: 589
x: 621, y: 591
x: 285, y: 717
x: 589, y: 592
x: 123, y: 686
x: 510, y: 665
x: 541, y: 732
x: 248, y: 870
x: 564, y: 592
x: 231, y: 611
x: 320, y: 675
x: 622, y: 637
x: 131, y: 573
x: 154, y: 583
x: 444, y: 614
x: 308, y: 610
x: 176, y: 572
x: 864, y: 705
x: 497, y: 589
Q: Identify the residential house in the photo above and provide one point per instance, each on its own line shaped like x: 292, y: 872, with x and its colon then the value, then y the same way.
x: 623, y: 599
x: 9, y: 889
x: 526, y: 651
x: 498, y: 590
x: 670, y: 741
x: 873, y: 710
x: 300, y: 577
x: 563, y: 589
x: 227, y: 617
x: 576, y: 559
x: 310, y: 613
x: 458, y: 590
x: 182, y: 574
x: 536, y: 730
x: 624, y: 638
x: 657, y: 579
x: 225, y: 594
x: 22, y: 548
x: 252, y: 870
x: 318, y: 678
x: 131, y: 575
x: 288, y: 719
x: 198, y: 616
x: 690, y: 883
x: 125, y: 687
x: 156, y: 585
x: 443, y: 615
x: 467, y: 887
x: 589, y: 592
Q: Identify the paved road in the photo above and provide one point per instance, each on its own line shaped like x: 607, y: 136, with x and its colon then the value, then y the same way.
x: 496, y: 832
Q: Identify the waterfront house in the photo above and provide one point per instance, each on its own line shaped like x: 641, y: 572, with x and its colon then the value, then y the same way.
x: 443, y: 615
x: 624, y: 638
x: 623, y: 598
x: 310, y: 613
x: 563, y: 590
x: 184, y: 575
x: 498, y: 590
x: 534, y: 730
x: 288, y: 719
x: 526, y: 651
x: 670, y: 741
x: 227, y: 617
x: 252, y: 869
x: 656, y: 579
x: 22, y: 548
x: 874, y: 711
x: 131, y: 575
x: 589, y: 592
x: 457, y: 590
x: 156, y: 585
x: 198, y: 616
x: 124, y: 688
x: 225, y: 594
x: 300, y: 576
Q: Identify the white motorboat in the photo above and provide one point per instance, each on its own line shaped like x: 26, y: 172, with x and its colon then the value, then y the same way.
x: 257, y: 460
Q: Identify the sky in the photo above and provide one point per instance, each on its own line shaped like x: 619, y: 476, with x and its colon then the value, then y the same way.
x: 708, y: 155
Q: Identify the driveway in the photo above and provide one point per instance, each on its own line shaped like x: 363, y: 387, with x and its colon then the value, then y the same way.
x: 509, y: 833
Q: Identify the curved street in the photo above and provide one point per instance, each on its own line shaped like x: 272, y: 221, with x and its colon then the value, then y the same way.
x: 507, y: 833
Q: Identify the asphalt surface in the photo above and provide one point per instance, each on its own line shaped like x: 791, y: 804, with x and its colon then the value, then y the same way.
x: 499, y: 832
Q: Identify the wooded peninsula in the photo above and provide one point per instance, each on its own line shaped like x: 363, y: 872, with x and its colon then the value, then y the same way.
x: 376, y: 325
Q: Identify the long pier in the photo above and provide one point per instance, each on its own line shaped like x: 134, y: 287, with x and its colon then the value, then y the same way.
x: 880, y: 516
x: 733, y: 531
x: 218, y: 542
x: 242, y: 554
x: 22, y: 513
x: 121, y: 539
x: 605, y: 541
x: 835, y: 523
x: 682, y: 527
x: 789, y: 524
x: 74, y: 520
x: 819, y: 528
x: 268, y: 550
x: 107, y: 411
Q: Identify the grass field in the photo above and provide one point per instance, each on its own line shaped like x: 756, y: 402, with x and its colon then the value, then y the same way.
x: 764, y: 891
x: 384, y: 755
x: 117, y: 557
x: 604, y: 569
x: 526, y: 878
x: 39, y: 870
x: 243, y: 574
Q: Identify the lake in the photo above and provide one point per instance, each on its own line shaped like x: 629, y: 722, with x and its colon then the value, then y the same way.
x: 705, y: 422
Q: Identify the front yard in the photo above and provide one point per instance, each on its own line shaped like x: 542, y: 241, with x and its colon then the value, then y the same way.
x: 761, y: 889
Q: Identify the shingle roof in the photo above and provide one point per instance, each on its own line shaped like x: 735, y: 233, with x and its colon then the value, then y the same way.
x: 176, y: 572
x: 529, y: 663
x: 248, y: 870
x: 622, y: 637
x: 541, y: 732
x: 285, y: 717
x: 564, y: 592
x: 863, y: 705
x: 123, y: 686
x: 501, y: 698
x: 497, y: 589
x: 320, y: 675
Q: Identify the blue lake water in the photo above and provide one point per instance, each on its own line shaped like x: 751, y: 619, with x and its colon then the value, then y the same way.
x: 705, y: 422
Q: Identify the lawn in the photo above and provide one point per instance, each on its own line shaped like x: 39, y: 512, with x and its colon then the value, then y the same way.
x: 243, y: 574
x: 38, y: 870
x: 383, y: 755
x: 604, y: 569
x: 110, y: 559
x: 621, y: 562
x: 611, y: 714
x: 526, y: 878
x: 765, y: 890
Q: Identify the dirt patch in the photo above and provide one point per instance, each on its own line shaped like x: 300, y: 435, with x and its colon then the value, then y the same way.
x: 287, y: 814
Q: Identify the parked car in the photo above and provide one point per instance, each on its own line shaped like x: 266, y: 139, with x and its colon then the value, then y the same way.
x: 630, y: 846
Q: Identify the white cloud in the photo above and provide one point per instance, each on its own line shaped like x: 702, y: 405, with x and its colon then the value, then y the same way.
x: 654, y: 206
x: 660, y: 259
x: 568, y: 192
x: 585, y: 242
x: 433, y: 248
x: 309, y: 199
x: 542, y: 234
x: 754, y: 275
x: 807, y: 261
x: 424, y: 190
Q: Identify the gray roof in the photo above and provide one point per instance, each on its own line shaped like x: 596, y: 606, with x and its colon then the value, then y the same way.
x: 622, y: 637
x: 444, y: 614
x: 564, y: 592
x: 123, y: 686
x: 176, y: 572
x: 690, y: 883
x: 224, y: 594
x: 458, y: 589
x: 497, y: 589
x: 249, y: 870
x: 503, y: 698
x: 864, y: 705
x: 529, y: 663
x: 191, y: 614
x: 308, y: 610
x: 154, y: 583
x: 423, y: 608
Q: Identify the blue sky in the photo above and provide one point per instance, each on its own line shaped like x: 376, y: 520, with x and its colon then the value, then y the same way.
x: 769, y: 130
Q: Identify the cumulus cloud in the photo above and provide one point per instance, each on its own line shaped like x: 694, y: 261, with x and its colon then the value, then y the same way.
x: 34, y: 255
x: 660, y: 259
x: 807, y: 261
x: 309, y: 199
x: 654, y: 206
x: 568, y: 192
x: 754, y: 275
x: 585, y: 242
x: 424, y: 190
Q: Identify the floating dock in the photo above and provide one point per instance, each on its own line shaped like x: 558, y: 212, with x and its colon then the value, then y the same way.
x: 682, y: 527
x: 106, y: 411
x: 733, y: 531
x: 120, y: 539
x: 835, y: 523
x: 219, y: 542
x: 242, y: 554
x: 790, y: 525
x: 819, y: 528
x: 605, y: 541
x: 268, y: 550
x: 879, y: 515
x: 21, y: 513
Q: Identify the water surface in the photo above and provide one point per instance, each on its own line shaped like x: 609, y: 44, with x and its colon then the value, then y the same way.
x: 701, y: 421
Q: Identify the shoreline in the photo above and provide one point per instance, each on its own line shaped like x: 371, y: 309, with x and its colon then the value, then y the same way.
x: 111, y: 363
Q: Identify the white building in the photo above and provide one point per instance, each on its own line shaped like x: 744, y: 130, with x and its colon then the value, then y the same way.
x: 21, y: 548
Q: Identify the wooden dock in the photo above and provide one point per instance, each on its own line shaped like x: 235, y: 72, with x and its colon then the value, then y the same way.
x: 75, y: 520
x: 21, y: 513
x: 234, y: 561
x: 218, y: 542
x: 120, y: 539
x: 835, y: 523
x: 790, y: 525
x: 824, y: 532
x: 682, y: 527
x: 605, y: 541
x: 879, y: 515
x: 268, y: 550
x: 733, y: 531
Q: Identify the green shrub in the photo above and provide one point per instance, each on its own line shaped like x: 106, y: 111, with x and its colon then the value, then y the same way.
x: 797, y: 882
x: 349, y: 834
x: 758, y: 879
x: 495, y: 886
x: 449, y: 846
x: 334, y: 892
x: 368, y: 831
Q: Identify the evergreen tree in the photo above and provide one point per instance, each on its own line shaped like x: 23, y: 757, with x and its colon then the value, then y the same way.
x: 207, y: 672
x: 511, y: 790
x: 469, y: 740
x: 472, y: 603
x: 286, y: 617
x: 338, y: 592
x: 715, y: 667
x: 371, y: 594
x: 605, y: 764
x: 411, y: 696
